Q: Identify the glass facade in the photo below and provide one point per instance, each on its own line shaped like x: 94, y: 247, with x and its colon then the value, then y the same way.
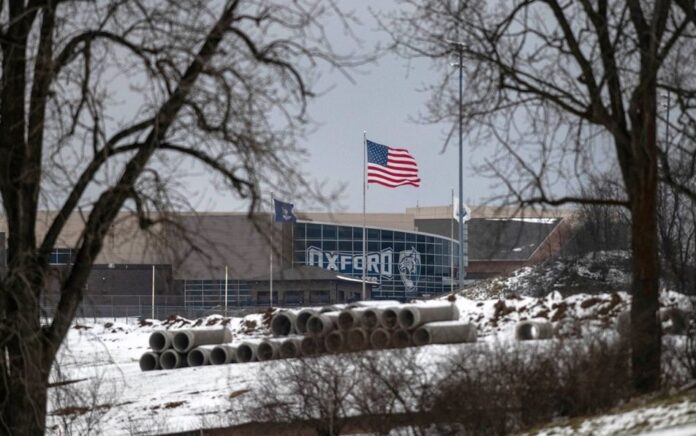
x: 404, y: 264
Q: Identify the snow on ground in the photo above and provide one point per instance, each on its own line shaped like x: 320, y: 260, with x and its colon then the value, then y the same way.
x: 100, y: 388
x: 111, y: 393
x: 673, y: 416
x: 598, y: 272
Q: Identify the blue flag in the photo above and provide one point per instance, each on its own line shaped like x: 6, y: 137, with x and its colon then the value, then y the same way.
x: 283, y: 212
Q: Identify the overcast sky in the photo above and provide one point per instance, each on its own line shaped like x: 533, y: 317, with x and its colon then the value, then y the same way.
x: 381, y: 102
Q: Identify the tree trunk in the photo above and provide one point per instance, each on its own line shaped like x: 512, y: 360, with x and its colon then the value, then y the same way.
x: 645, y: 331
x: 27, y: 384
x: 25, y: 364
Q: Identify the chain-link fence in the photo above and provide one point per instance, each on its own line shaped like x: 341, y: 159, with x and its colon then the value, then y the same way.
x: 140, y: 306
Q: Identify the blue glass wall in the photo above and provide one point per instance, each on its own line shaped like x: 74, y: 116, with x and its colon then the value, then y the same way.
x: 405, y: 264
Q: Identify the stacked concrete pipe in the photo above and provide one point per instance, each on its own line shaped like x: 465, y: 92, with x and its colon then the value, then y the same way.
x: 412, y: 316
x: 358, y: 339
x: 291, y: 347
x: 335, y: 341
x: 186, y: 340
x: 332, y: 308
x: 389, y: 317
x: 199, y: 356
x: 380, y: 338
x: 223, y: 354
x: 160, y: 340
x: 312, y: 346
x: 371, y: 318
x: 401, y: 338
x: 247, y: 352
x: 302, y: 318
x: 269, y: 349
x: 350, y: 318
x: 372, y: 303
x: 171, y: 359
x: 533, y: 330
x: 322, y: 323
x: 445, y: 332
x: 284, y: 323
x: 149, y: 361
x: 336, y: 328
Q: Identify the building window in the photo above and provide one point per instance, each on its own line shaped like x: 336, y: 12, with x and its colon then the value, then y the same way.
x: 319, y: 297
x: 263, y: 298
x: 294, y: 297
x: 61, y: 256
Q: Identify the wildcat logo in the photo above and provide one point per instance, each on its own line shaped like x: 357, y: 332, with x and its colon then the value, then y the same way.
x: 409, y: 269
x: 286, y: 214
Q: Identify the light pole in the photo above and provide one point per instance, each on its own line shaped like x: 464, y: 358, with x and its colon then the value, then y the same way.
x: 460, y: 213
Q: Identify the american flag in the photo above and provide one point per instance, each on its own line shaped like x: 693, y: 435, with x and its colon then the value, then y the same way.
x: 391, y: 167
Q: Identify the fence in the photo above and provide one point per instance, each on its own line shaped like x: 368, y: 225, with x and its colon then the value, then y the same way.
x: 140, y: 306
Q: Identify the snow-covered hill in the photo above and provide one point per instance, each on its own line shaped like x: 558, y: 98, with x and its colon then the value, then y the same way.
x: 599, y: 272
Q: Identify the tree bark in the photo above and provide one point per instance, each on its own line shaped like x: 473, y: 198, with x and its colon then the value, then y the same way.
x: 642, y: 183
x: 26, y: 366
x: 645, y: 331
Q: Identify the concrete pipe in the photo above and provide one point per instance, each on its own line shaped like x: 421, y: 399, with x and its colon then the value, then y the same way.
x: 389, y: 318
x: 283, y: 323
x: 335, y: 342
x: 222, y: 354
x: 413, y: 316
x: 533, y: 330
x: 322, y: 323
x: 332, y: 308
x: 623, y: 323
x: 350, y: 318
x: 380, y: 338
x: 170, y: 359
x: 401, y: 338
x: 445, y: 332
x: 312, y: 345
x: 302, y: 318
x: 185, y: 340
x: 199, y: 356
x: 269, y: 349
x: 247, y: 352
x: 372, y: 303
x: 161, y: 340
x: 291, y: 348
x: 371, y: 318
x: 358, y: 339
x: 674, y: 321
x: 149, y: 361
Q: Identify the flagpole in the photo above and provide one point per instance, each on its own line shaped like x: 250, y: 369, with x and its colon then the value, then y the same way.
x: 271, y: 255
x: 225, y: 290
x: 452, y: 245
x: 461, y: 171
x: 364, y: 262
x: 153, y: 292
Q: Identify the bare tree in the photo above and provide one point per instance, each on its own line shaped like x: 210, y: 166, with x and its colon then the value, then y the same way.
x: 601, y: 226
x: 563, y: 88
x: 677, y: 235
x: 223, y: 84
